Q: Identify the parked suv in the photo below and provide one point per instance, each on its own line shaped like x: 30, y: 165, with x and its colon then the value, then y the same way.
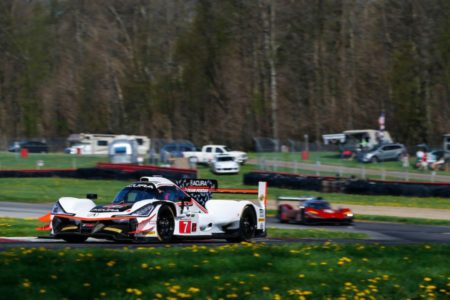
x: 31, y: 146
x: 383, y: 152
x: 175, y: 150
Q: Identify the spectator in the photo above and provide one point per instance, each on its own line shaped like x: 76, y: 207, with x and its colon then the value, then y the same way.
x: 420, y: 155
x: 365, y: 143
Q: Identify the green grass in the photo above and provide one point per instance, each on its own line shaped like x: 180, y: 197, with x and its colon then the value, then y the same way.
x: 395, y: 201
x: 44, y: 190
x: 416, y: 221
x: 20, y: 227
x: 313, y: 233
x: 10, y: 227
x: 51, y: 160
x: 242, y: 271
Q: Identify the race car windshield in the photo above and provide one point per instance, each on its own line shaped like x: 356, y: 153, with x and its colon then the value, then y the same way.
x: 132, y: 195
x: 319, y: 205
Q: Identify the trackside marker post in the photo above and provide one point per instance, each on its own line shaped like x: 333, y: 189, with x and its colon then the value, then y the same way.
x: 262, y: 193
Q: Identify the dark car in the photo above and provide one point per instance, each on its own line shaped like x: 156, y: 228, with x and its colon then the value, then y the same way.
x: 383, y: 152
x: 31, y: 146
x: 175, y: 150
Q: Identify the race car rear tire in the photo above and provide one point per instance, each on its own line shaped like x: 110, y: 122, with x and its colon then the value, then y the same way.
x: 165, y: 224
x: 75, y: 239
x: 282, y: 209
x: 247, y: 226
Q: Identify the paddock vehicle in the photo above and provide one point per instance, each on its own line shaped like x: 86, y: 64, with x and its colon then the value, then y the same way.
x: 31, y: 146
x: 311, y: 210
x: 224, y: 164
x: 208, y: 153
x: 383, y: 152
x: 156, y: 208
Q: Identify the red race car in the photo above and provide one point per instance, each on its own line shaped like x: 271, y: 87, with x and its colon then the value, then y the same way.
x: 312, y: 210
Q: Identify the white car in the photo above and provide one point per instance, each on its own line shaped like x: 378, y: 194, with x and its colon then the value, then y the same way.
x: 208, y: 152
x: 224, y: 164
x: 156, y: 208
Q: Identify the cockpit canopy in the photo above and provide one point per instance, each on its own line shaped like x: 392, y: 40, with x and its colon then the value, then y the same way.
x: 317, y: 204
x: 137, y: 192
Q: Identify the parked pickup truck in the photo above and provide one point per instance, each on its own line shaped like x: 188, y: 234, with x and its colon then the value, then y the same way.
x: 208, y: 153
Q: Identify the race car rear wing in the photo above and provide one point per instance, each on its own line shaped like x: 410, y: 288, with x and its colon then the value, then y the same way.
x: 201, y: 190
x: 296, y: 199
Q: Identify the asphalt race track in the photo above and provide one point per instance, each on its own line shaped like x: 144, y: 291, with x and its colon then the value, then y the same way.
x: 378, y: 232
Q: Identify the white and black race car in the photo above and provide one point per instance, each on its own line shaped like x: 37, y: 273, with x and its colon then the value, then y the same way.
x: 156, y: 208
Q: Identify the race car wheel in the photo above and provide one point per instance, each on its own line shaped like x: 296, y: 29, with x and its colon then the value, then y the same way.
x: 165, y: 224
x: 283, y: 209
x: 247, y: 226
x: 75, y: 239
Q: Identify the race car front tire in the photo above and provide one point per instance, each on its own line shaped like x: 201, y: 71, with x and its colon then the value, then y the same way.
x: 247, y: 226
x: 165, y: 224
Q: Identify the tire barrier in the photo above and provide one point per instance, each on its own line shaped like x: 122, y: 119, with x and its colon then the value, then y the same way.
x: 104, y: 171
x: 397, y: 189
x: 284, y: 180
x: 65, y: 173
x: 349, y: 185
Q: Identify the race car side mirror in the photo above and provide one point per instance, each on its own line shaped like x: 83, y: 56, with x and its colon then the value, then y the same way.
x: 91, y: 196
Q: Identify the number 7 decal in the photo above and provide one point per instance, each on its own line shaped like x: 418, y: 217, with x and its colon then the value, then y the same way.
x: 185, y: 226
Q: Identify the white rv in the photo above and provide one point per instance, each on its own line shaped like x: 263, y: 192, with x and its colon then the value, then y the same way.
x: 95, y: 143
x: 353, y: 138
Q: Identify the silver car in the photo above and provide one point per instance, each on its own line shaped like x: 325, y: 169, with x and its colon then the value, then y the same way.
x: 382, y: 152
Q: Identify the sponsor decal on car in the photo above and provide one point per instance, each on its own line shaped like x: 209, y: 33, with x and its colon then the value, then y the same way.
x: 142, y: 185
x: 112, y: 208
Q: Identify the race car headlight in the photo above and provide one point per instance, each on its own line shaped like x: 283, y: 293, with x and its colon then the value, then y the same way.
x: 58, y: 210
x: 348, y: 214
x: 144, y: 211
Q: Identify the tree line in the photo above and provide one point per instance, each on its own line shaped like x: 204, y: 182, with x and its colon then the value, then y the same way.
x: 224, y: 71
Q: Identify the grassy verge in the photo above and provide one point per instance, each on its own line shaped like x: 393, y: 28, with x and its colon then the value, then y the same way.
x: 416, y: 221
x: 20, y: 227
x: 313, y: 233
x: 51, y: 160
x: 10, y: 227
x: 42, y: 190
x: 245, y: 271
x: 395, y: 201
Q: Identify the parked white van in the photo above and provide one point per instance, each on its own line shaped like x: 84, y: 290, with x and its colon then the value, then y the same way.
x: 96, y: 143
